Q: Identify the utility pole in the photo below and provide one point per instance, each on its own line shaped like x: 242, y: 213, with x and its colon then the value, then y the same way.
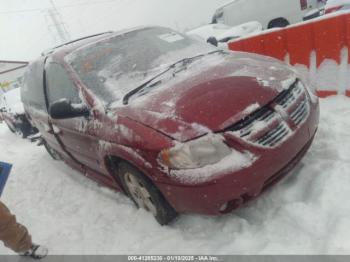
x: 58, y: 24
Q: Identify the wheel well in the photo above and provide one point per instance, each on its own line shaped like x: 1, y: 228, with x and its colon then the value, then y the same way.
x: 279, y: 20
x: 112, y: 164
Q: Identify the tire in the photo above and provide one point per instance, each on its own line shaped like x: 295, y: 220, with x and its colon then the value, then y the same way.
x: 23, y: 131
x: 278, y: 23
x: 52, y: 152
x: 144, y: 194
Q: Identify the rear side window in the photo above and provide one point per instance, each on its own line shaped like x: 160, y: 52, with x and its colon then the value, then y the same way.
x: 32, y: 91
x: 59, y: 85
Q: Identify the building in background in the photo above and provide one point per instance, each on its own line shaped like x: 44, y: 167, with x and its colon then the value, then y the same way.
x: 11, y: 73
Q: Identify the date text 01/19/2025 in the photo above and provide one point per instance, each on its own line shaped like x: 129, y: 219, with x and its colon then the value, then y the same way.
x: 172, y: 258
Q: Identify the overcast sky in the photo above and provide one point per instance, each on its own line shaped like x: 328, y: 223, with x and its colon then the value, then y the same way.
x: 26, y: 30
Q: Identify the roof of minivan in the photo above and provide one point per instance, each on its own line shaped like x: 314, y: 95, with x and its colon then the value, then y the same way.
x: 71, y: 46
x: 228, y: 3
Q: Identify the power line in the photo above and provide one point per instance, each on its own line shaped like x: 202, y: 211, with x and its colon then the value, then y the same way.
x: 59, y: 7
x: 58, y: 22
x: 22, y: 11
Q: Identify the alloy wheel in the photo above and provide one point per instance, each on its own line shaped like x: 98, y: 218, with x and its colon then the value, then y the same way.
x: 139, y: 193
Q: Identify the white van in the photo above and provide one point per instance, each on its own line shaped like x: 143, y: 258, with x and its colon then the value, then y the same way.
x: 270, y: 13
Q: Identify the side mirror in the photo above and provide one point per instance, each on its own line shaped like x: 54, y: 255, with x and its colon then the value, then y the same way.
x: 212, y: 40
x: 64, y: 109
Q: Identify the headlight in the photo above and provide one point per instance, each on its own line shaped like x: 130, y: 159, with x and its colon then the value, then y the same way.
x: 204, y: 151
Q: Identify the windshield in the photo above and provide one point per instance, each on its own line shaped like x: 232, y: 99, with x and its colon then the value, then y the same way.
x: 112, y: 68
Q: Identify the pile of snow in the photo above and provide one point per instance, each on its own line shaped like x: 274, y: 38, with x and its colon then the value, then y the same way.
x: 304, y: 214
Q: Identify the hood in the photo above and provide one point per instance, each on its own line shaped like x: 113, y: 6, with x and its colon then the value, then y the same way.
x: 210, y: 95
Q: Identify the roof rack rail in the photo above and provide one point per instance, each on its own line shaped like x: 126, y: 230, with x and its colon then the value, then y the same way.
x: 47, y: 52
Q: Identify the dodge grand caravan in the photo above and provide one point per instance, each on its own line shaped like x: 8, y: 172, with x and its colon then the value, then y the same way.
x: 176, y: 124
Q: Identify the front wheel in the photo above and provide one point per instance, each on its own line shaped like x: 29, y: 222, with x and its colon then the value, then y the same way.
x: 52, y: 152
x: 145, y: 195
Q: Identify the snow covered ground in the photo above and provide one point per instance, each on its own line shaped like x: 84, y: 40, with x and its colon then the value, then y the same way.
x: 307, y: 213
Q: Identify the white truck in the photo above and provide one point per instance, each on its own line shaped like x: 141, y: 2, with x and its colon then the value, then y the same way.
x: 270, y: 13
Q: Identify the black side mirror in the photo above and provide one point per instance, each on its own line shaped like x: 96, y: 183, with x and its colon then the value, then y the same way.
x: 64, y: 109
x: 212, y: 40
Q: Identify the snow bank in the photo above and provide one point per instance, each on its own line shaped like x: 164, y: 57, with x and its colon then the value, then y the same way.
x: 73, y: 215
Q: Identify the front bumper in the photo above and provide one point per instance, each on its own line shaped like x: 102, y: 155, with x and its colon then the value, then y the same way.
x: 226, y: 192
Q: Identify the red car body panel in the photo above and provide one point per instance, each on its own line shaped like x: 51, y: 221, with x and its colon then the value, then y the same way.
x: 207, y: 198
x: 212, y: 99
x: 218, y: 88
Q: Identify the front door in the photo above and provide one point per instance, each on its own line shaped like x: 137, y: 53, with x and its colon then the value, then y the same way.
x: 72, y: 133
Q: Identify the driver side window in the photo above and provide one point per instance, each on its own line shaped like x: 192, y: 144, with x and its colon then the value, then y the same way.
x: 59, y: 85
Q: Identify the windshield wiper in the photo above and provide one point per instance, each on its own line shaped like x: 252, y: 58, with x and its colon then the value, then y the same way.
x: 184, y: 62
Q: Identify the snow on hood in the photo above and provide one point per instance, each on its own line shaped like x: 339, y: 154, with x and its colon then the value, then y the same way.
x: 212, y: 94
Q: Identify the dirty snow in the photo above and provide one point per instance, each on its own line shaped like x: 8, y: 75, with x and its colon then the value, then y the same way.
x: 306, y: 213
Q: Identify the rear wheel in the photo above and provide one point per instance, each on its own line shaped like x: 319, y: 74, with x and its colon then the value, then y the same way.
x: 23, y: 130
x: 145, y: 195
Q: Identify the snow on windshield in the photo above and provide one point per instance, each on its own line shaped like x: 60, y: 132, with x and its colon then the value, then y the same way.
x: 111, y: 68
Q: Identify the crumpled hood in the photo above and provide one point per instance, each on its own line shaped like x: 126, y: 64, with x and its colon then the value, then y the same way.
x: 212, y: 94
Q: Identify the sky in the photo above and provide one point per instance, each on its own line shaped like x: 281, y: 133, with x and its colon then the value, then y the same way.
x: 26, y: 29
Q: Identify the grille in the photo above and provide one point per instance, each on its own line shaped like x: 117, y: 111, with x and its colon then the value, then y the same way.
x: 268, y: 127
x: 300, y: 113
x: 275, y: 136
x: 298, y: 105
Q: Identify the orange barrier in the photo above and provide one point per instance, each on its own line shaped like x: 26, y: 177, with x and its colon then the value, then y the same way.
x: 326, y: 37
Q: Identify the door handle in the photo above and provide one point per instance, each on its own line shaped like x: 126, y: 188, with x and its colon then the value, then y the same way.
x: 54, y: 130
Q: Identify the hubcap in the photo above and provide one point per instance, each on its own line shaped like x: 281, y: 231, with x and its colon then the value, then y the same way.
x: 140, y: 194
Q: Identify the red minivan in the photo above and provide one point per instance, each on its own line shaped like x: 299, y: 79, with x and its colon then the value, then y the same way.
x: 176, y: 124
